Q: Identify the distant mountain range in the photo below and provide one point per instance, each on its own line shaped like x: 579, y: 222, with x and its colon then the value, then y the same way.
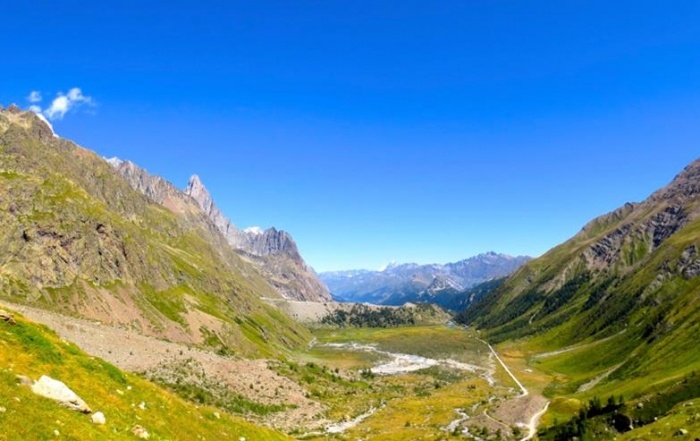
x: 434, y: 283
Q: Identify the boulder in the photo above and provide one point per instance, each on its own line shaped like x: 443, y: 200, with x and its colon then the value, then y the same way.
x: 98, y: 418
x: 7, y: 317
x: 53, y: 389
x: 140, y: 432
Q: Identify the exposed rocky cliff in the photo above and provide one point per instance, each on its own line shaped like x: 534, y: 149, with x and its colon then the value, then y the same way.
x: 201, y: 196
x: 644, y: 226
x: 78, y: 239
x: 274, y: 251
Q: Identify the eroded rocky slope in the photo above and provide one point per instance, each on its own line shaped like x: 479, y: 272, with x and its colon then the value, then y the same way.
x: 78, y: 239
x: 274, y: 253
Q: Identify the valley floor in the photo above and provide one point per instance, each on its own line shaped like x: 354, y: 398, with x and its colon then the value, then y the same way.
x: 339, y: 388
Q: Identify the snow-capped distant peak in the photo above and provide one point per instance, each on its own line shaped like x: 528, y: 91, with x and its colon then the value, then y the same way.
x: 392, y: 264
x: 44, y: 120
x: 114, y: 162
x: 254, y: 230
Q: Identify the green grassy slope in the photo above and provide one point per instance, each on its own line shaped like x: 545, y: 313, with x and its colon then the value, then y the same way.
x: 32, y: 350
x: 622, y: 298
x: 76, y: 238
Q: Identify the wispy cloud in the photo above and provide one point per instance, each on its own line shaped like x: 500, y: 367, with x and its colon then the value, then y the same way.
x: 62, y: 104
x: 34, y: 97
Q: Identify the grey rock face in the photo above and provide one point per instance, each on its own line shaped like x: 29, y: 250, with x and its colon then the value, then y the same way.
x: 274, y: 251
x: 154, y: 187
x: 672, y: 208
x: 271, y: 242
x: 198, y: 192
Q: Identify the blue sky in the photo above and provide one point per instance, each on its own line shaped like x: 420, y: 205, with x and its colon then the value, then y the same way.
x: 377, y: 131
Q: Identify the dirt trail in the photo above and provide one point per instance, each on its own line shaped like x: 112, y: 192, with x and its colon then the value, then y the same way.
x: 522, y: 399
x: 577, y: 346
x: 534, y: 421
x: 523, y: 392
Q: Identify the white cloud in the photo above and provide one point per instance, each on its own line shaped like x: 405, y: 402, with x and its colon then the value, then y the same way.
x: 63, y: 103
x: 34, y: 96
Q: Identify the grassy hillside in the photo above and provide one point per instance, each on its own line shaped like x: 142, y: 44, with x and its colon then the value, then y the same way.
x: 77, y: 239
x: 30, y: 350
x: 613, y: 311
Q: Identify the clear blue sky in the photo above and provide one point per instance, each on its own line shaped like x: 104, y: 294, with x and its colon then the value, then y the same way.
x: 377, y: 130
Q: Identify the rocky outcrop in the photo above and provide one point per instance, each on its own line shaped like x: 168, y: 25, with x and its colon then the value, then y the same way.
x: 7, y: 317
x: 140, y: 433
x: 274, y: 251
x: 689, y: 262
x: 648, y: 224
x: 77, y: 238
x: 98, y: 418
x: 272, y: 242
x: 685, y: 186
x: 201, y: 196
x: 606, y: 250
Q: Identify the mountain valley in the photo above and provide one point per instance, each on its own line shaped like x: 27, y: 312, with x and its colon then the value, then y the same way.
x: 169, y: 320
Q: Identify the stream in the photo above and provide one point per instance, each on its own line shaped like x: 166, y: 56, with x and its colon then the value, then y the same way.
x: 404, y: 363
x: 400, y: 364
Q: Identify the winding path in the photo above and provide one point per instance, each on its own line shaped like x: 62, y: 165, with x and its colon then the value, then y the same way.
x: 532, y: 425
x: 523, y: 392
x: 535, y: 419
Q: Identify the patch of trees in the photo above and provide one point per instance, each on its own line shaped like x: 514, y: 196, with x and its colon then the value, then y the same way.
x: 512, y: 311
x: 363, y: 316
x: 561, y: 296
x: 611, y: 315
x: 594, y: 417
x: 658, y: 404
x: 481, y: 307
x: 598, y: 294
x: 597, y: 418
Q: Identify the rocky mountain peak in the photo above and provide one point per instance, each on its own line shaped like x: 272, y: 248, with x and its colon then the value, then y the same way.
x: 398, y: 283
x: 35, y: 123
x: 196, y: 189
x: 273, y: 241
x: 153, y: 187
x: 274, y: 250
x: 684, y: 186
x: 651, y: 222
